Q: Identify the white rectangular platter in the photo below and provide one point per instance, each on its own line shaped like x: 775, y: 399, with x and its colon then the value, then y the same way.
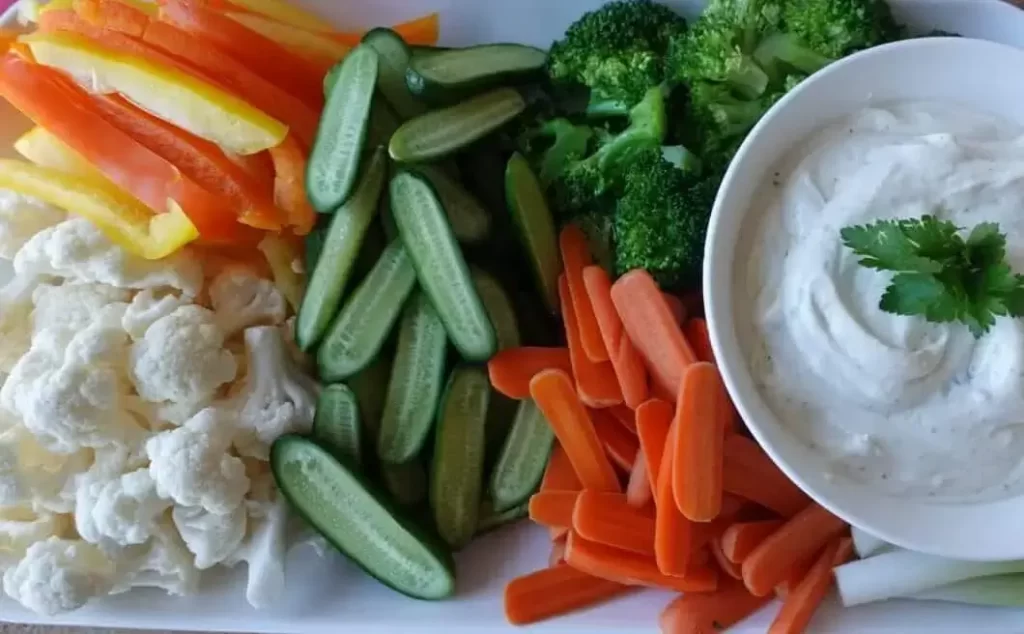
x: 329, y: 596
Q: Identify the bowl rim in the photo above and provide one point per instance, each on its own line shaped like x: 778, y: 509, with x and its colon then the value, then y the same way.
x: 719, y: 273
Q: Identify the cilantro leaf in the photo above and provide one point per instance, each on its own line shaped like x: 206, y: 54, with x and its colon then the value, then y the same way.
x: 886, y: 247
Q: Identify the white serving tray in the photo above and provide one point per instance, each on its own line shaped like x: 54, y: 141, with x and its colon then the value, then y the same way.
x: 329, y: 596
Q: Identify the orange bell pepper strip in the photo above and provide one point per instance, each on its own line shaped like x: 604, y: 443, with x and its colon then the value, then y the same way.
x: 54, y: 102
x: 290, y: 185
x: 422, y: 31
x: 261, y: 54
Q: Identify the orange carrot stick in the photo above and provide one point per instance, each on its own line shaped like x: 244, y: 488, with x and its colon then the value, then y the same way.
x: 705, y: 532
x: 673, y: 533
x: 575, y: 257
x: 556, y: 398
x: 553, y: 509
x: 697, y: 334
x: 626, y: 361
x: 607, y: 518
x: 805, y: 597
x: 555, y: 591
x: 625, y: 416
x: 676, y: 306
x: 749, y: 473
x: 423, y: 31
x: 290, y: 185
x: 728, y: 567
x: 621, y: 566
x: 620, y: 445
x: 774, y: 559
x: 653, y: 421
x: 557, y: 556
x: 697, y: 613
x: 560, y: 475
x: 638, y: 491
x: 740, y: 539
x: 652, y: 328
x: 595, y: 382
x: 511, y: 370
x: 703, y: 413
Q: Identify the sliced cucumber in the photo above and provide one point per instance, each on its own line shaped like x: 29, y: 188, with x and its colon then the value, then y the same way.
x: 334, y: 161
x: 536, y: 227
x: 394, y: 61
x: 336, y: 424
x: 314, y: 247
x: 331, y: 78
x: 370, y: 387
x: 370, y: 251
x: 341, y: 246
x: 361, y: 523
x: 383, y: 123
x: 442, y: 132
x: 407, y: 483
x: 453, y: 74
x: 440, y: 266
x: 523, y: 459
x: 470, y: 222
x: 491, y: 520
x: 499, y: 309
x: 459, y: 455
x: 364, y: 323
x: 417, y: 377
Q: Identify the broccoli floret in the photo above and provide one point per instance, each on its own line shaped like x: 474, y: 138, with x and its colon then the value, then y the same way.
x: 617, y: 51
x: 553, y: 144
x: 661, y: 221
x: 836, y: 28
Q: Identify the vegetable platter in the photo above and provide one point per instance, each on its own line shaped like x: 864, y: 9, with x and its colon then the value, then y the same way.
x: 325, y: 593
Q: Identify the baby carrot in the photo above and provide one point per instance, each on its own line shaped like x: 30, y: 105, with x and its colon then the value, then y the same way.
x: 556, y: 398
x: 750, y: 473
x: 696, y: 330
x: 607, y: 518
x: 676, y: 306
x: 626, y: 361
x: 629, y: 568
x: 511, y: 370
x: 560, y: 476
x: 557, y: 557
x: 732, y: 507
x: 575, y: 257
x: 673, y: 533
x: 697, y: 613
x: 794, y: 542
x: 804, y: 598
x: 653, y: 419
x: 595, y: 382
x: 625, y: 416
x: 553, y: 509
x: 728, y: 567
x: 638, y: 491
x: 652, y: 328
x: 620, y: 445
x: 555, y: 591
x: 422, y: 31
x: 703, y: 413
x: 740, y: 539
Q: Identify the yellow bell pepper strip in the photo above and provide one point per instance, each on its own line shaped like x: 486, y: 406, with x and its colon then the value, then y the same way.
x: 285, y: 13
x: 264, y: 56
x: 204, y: 61
x: 55, y: 102
x: 177, y: 97
x: 318, y: 49
x: 290, y: 185
x: 123, y: 219
x: 285, y: 256
x: 41, y: 147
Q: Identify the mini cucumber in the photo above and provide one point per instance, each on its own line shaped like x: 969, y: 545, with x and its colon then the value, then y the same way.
x: 370, y: 386
x: 499, y: 309
x: 394, y: 61
x: 491, y: 520
x: 407, y: 483
x: 470, y: 222
x: 336, y: 424
x: 341, y: 246
x: 334, y: 160
x: 364, y: 323
x: 443, y: 132
x: 383, y: 123
x: 455, y: 73
x: 536, y: 227
x: 314, y: 246
x: 440, y: 266
x: 523, y: 459
x: 459, y: 455
x: 359, y: 522
x: 417, y: 377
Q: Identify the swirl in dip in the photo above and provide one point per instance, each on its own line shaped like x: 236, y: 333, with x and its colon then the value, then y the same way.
x: 909, y: 407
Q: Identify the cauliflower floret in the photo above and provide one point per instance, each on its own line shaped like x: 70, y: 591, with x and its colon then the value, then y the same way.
x: 147, y: 308
x: 276, y: 398
x: 164, y: 562
x: 211, y: 537
x: 15, y: 321
x: 20, y: 527
x: 75, y: 249
x: 265, y: 553
x: 21, y: 218
x: 191, y: 464
x: 118, y: 512
x: 39, y: 478
x: 69, y: 308
x: 241, y: 299
x: 182, y: 358
x: 59, y: 575
x: 76, y: 400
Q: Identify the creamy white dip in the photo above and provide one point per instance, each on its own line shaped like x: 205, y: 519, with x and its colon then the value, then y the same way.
x: 912, y: 408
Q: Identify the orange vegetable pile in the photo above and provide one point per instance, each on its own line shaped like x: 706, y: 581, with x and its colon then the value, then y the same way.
x: 652, y: 482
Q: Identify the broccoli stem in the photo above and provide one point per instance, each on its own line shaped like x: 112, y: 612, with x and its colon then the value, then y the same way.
x: 787, y: 48
x: 606, y: 108
x: 748, y: 79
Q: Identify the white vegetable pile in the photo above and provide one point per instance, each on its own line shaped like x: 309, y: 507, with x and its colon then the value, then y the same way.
x: 138, y: 403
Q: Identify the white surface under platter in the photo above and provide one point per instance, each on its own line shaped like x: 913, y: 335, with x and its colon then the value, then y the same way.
x: 329, y: 596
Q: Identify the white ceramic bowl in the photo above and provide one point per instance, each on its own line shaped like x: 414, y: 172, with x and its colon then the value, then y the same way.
x: 973, y: 73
